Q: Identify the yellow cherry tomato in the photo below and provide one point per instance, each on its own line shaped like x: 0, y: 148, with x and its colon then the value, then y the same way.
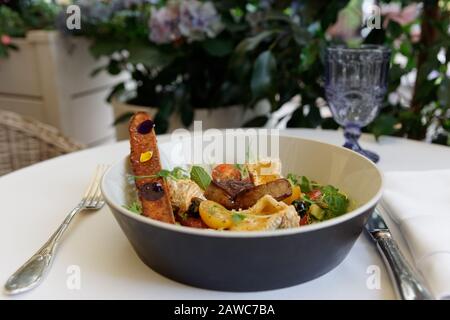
x: 214, y: 215
x: 296, y: 192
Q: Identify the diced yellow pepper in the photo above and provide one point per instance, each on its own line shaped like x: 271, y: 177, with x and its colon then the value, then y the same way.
x: 296, y: 192
x: 145, y: 156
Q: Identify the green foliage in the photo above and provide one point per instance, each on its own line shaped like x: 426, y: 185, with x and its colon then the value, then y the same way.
x: 334, y: 202
x: 176, y: 173
x: 200, y: 177
x: 38, y: 14
x: 302, y: 181
x: 135, y: 207
x: 24, y: 15
x: 429, y: 106
x: 264, y: 70
x: 11, y: 23
x: 273, y: 50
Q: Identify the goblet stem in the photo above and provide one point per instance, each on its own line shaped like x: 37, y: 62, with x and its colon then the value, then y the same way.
x: 352, y: 134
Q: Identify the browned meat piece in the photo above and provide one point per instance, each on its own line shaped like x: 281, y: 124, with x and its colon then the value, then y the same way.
x: 224, y: 192
x: 242, y: 195
x: 191, y: 222
x: 279, y: 189
x: 145, y: 161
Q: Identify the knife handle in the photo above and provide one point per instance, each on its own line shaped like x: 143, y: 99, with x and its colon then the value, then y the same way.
x: 407, y: 282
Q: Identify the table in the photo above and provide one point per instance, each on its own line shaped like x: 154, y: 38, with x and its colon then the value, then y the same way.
x: 36, y: 199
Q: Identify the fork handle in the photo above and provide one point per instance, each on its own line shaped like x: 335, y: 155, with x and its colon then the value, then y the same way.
x: 31, y: 273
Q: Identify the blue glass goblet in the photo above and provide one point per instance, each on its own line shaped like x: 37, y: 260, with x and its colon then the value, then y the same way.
x: 355, y: 86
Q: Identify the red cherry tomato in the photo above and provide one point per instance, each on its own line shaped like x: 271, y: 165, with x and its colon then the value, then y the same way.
x: 225, y: 171
x: 314, y: 194
x: 304, y: 220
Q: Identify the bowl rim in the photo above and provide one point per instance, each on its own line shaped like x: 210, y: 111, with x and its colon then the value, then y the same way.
x: 249, y: 234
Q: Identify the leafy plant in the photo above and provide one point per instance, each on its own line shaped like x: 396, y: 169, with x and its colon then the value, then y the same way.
x: 11, y: 25
x: 21, y: 16
x: 176, y: 63
x: 423, y: 45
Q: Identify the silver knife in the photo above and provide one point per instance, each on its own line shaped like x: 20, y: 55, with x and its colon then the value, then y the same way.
x: 407, y: 282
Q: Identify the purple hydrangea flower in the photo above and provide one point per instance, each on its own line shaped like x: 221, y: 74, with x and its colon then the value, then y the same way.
x: 198, y: 19
x: 164, y: 24
x: 192, y: 19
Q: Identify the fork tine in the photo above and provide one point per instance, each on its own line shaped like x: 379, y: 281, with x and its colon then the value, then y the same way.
x: 97, y: 195
x: 94, y: 186
x: 91, y: 183
x: 94, y: 197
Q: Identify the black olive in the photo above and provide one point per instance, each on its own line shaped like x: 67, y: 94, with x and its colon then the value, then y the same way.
x: 301, y: 207
x: 146, y: 127
x: 152, y: 191
x: 193, y: 210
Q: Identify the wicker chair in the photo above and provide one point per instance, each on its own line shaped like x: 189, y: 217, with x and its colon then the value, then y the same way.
x: 25, y: 141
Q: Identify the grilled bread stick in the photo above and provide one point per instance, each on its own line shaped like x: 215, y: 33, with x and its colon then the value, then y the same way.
x: 145, y: 162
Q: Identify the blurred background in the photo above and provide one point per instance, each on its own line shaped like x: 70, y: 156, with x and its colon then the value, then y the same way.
x: 84, y: 66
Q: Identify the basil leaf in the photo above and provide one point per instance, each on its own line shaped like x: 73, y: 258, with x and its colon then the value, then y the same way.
x: 305, y: 184
x: 333, y: 201
x: 200, y: 177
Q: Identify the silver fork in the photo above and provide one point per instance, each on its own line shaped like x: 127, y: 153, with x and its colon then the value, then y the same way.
x: 31, y: 273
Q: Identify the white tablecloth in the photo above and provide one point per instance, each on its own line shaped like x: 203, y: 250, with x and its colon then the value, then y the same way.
x: 36, y: 199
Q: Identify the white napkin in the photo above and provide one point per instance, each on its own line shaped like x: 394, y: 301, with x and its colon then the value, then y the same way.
x: 419, y: 202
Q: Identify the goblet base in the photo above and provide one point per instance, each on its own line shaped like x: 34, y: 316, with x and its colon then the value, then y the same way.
x: 367, y: 153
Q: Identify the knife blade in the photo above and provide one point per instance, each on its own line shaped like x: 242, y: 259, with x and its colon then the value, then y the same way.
x: 407, y: 282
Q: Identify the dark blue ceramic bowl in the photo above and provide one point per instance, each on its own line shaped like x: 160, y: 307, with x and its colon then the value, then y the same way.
x: 252, y: 261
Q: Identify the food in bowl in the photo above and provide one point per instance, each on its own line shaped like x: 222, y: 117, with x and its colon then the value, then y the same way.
x: 251, y: 196
x: 249, y: 260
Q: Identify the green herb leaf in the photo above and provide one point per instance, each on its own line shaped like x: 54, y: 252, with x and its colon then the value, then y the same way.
x: 177, y: 173
x: 200, y: 177
x: 335, y: 202
x: 292, y: 179
x: 302, y: 181
x: 305, y: 184
x: 237, y: 217
x: 243, y: 170
x: 134, y: 207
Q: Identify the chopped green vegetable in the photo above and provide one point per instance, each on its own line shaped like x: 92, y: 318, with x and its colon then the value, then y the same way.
x: 317, y: 212
x: 200, y: 177
x: 237, y: 217
x: 135, y: 207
